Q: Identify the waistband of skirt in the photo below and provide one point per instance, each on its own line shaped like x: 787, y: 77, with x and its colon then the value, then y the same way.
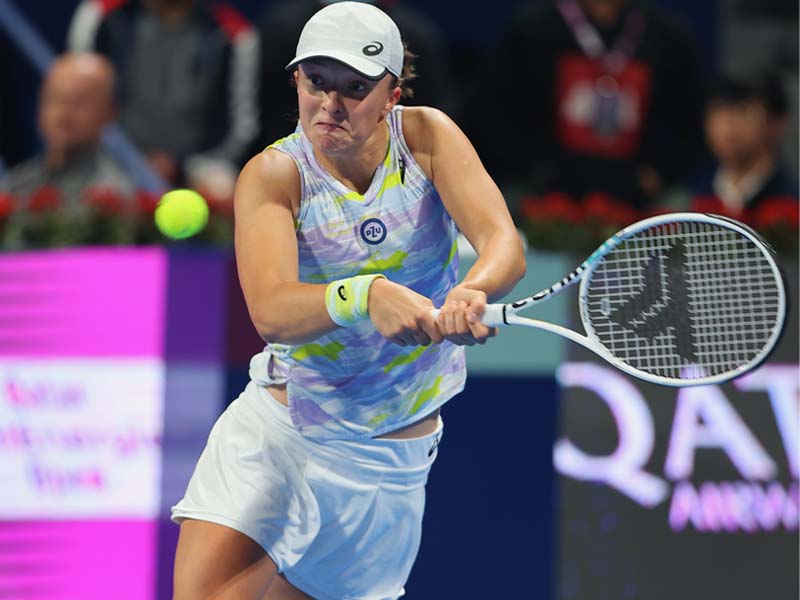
x: 405, y: 454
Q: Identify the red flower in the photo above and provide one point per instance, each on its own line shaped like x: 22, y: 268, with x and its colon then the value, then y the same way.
x: 219, y: 206
x: 530, y: 208
x: 711, y: 204
x: 777, y: 211
x: 46, y: 198
x: 657, y: 211
x: 7, y: 205
x: 105, y: 200
x: 599, y: 206
x: 553, y: 206
x: 146, y: 202
x: 561, y: 206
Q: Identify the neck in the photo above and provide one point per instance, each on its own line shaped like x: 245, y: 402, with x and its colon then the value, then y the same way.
x: 171, y: 12
x: 356, y: 169
x: 758, y: 165
x: 56, y: 158
x: 603, y: 12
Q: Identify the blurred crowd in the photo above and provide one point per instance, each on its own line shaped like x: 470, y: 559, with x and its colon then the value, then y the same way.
x: 603, y: 106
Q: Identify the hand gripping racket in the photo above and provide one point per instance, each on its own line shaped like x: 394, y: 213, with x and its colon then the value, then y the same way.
x: 678, y: 299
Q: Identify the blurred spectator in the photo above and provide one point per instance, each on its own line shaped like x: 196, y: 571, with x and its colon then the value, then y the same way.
x: 280, y: 29
x: 762, y: 35
x: 591, y: 96
x: 188, y: 83
x: 76, y: 103
x: 745, y: 121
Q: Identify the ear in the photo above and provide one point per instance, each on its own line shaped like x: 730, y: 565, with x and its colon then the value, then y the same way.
x: 393, y: 99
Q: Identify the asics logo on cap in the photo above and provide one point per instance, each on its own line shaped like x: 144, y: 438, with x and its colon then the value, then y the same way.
x: 373, y: 49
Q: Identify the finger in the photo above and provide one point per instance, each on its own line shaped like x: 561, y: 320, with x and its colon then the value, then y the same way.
x: 477, y: 306
x: 461, y: 340
x: 420, y: 338
x: 492, y: 333
x: 408, y: 337
x: 431, y: 328
x: 448, y: 320
x: 417, y: 334
x: 459, y: 329
x: 461, y: 326
x: 479, y: 331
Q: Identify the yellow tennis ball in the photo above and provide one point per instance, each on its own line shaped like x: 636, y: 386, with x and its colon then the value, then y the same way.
x: 181, y: 214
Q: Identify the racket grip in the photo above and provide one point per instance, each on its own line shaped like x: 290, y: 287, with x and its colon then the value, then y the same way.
x: 492, y: 316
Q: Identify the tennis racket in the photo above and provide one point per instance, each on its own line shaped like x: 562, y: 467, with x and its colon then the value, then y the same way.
x: 678, y: 299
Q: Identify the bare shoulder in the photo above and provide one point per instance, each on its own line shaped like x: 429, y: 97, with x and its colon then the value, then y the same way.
x: 269, y: 177
x: 434, y: 139
x: 426, y: 130
x: 421, y: 124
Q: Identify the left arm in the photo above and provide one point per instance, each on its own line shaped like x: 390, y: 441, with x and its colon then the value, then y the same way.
x: 478, y: 208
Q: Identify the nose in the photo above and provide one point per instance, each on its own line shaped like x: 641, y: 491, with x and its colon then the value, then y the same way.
x: 333, y: 103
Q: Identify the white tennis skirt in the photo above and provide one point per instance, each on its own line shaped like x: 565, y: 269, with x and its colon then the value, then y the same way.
x: 341, y: 519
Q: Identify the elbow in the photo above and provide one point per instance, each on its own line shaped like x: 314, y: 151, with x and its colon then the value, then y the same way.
x: 279, y: 331
x: 270, y: 329
x: 514, y: 269
x: 265, y: 331
x: 518, y: 271
x: 520, y: 264
x: 522, y: 269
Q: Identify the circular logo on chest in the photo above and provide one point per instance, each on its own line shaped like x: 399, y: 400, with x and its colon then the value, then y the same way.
x: 373, y: 231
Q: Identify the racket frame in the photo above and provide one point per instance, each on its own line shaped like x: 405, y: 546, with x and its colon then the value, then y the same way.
x: 505, y: 314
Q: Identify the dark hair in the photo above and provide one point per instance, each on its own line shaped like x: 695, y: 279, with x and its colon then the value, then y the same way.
x: 408, y: 73
x: 762, y: 87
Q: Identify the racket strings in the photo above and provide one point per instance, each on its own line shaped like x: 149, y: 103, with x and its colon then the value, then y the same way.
x: 684, y: 300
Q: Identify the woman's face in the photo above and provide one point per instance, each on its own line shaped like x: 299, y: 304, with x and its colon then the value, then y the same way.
x: 340, y: 109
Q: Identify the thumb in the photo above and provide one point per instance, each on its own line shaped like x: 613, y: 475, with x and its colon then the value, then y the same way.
x: 477, y: 307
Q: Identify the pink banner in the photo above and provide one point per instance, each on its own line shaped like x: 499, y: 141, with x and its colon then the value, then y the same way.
x: 66, y: 560
x: 84, y: 302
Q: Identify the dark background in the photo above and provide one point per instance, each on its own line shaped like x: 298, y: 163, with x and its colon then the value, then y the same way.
x: 472, y: 29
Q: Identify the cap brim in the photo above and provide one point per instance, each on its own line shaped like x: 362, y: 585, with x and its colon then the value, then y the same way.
x: 361, y: 65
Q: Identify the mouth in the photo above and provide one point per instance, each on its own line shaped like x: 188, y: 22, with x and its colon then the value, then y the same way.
x: 328, y: 126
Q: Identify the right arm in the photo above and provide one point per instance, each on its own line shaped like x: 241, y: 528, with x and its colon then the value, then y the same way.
x: 283, y: 309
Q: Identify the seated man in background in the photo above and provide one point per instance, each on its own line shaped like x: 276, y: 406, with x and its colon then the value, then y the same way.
x: 745, y: 121
x: 587, y: 96
x: 188, y: 79
x: 75, y: 104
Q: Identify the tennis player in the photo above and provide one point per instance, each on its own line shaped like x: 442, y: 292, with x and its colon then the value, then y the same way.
x: 312, y: 482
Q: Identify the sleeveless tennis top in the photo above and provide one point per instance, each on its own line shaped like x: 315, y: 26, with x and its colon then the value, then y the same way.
x: 353, y: 383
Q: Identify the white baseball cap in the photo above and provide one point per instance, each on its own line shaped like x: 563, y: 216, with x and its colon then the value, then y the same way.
x: 359, y: 35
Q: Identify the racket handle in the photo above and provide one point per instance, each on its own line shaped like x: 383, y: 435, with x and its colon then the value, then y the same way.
x: 492, y: 316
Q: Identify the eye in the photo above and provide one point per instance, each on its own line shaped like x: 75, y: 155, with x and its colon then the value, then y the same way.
x: 316, y: 80
x: 356, y: 87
